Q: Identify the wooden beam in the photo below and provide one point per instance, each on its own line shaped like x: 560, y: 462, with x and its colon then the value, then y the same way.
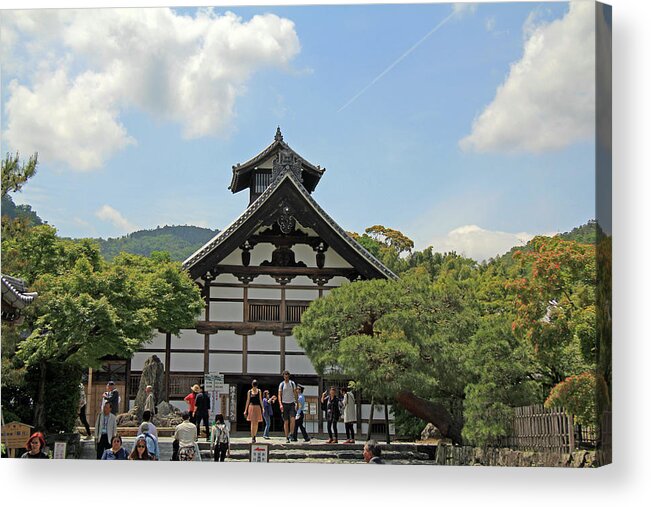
x: 168, y: 354
x: 282, y: 270
x: 272, y: 286
x: 243, y: 327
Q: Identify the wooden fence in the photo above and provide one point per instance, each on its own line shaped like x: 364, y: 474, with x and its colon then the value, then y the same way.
x: 537, y: 428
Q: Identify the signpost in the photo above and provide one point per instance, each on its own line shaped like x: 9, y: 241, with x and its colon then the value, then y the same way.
x: 60, y: 450
x: 214, y: 384
x: 259, y: 453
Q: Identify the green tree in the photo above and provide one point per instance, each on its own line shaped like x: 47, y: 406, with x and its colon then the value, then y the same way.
x: 15, y: 174
x: 88, y: 309
x: 397, y: 340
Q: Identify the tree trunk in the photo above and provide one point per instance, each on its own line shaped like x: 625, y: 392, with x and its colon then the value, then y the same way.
x: 370, y: 420
x: 39, y: 406
x: 386, y: 421
x: 435, y: 413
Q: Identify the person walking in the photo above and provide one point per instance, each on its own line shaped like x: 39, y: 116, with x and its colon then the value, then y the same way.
x: 300, y: 417
x: 106, y: 428
x: 253, y: 409
x: 111, y: 396
x: 267, y: 412
x: 82, y: 410
x: 116, y: 451
x: 350, y: 415
x: 150, y: 404
x: 333, y: 413
x: 35, y: 446
x: 287, y: 397
x: 201, y: 412
x: 220, y: 440
x: 190, y: 399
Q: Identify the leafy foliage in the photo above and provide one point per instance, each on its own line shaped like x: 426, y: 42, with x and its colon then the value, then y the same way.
x: 15, y: 174
x: 579, y: 395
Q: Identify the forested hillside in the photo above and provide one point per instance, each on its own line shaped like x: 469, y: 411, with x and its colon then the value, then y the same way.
x: 180, y: 241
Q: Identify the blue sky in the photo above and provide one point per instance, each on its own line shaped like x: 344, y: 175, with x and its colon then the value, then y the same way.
x: 478, y: 138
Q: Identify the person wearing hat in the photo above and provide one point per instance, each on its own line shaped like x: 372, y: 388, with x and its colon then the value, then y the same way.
x: 111, y: 396
x: 35, y: 446
x: 151, y: 441
x: 191, y: 400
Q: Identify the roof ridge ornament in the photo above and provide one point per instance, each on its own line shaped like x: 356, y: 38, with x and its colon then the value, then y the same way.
x: 279, y: 135
x: 286, y: 161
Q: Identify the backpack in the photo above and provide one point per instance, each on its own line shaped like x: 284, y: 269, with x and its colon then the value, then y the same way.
x: 222, y: 436
x: 151, y: 444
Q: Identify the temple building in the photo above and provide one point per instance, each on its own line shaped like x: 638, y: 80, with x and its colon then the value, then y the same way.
x: 257, y: 277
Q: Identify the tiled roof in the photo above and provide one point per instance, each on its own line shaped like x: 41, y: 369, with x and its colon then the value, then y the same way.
x: 14, y: 292
x: 239, y: 221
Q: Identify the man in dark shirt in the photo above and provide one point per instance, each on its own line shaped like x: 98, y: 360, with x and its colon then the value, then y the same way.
x: 202, y: 408
x: 112, y: 396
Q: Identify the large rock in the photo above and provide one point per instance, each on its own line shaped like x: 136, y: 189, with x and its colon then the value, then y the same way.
x: 431, y: 432
x: 167, y: 415
x: 153, y: 374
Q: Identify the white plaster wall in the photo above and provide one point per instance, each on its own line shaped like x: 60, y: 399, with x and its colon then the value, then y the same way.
x: 261, y: 252
x: 139, y: 358
x: 265, y: 279
x: 263, y: 364
x: 226, y: 311
x: 378, y: 412
x: 186, y: 362
x: 226, y: 340
x: 225, y: 363
x: 189, y: 339
x: 268, y: 163
x: 264, y: 340
x: 226, y: 278
x: 226, y: 292
x: 291, y: 345
x: 299, y: 365
x: 334, y: 260
x: 264, y: 293
x: 301, y: 294
x: 233, y: 259
x: 305, y: 254
x: 158, y: 342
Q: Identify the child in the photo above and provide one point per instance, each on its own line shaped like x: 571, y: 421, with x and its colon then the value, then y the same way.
x: 220, y: 441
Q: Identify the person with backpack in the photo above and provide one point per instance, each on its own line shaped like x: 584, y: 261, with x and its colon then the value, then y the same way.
x: 287, y: 397
x: 220, y: 440
x: 151, y: 440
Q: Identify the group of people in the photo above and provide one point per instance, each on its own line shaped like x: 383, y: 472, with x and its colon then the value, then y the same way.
x: 198, y: 402
x: 259, y: 407
x: 109, y: 443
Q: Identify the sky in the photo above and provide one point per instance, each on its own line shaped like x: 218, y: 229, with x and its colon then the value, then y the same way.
x: 468, y: 127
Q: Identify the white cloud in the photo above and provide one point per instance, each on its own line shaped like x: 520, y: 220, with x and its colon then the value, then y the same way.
x: 548, y: 99
x: 89, y: 66
x: 113, y: 216
x: 477, y: 243
x: 461, y: 9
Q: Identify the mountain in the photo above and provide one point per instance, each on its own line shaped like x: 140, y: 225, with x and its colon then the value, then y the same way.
x: 180, y: 241
x: 24, y: 211
x: 586, y: 233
